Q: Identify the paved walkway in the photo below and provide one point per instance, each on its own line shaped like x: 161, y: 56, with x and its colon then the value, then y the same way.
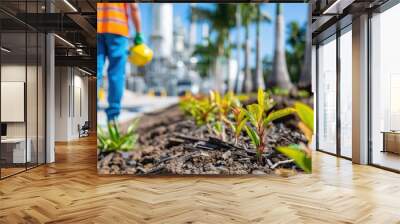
x: 134, y: 105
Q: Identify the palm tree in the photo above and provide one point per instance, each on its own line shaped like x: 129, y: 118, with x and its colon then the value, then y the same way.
x: 305, y: 76
x: 259, y: 78
x: 238, y: 46
x: 248, y: 12
x: 280, y: 76
x: 295, y: 55
x: 206, y: 54
x: 222, y: 20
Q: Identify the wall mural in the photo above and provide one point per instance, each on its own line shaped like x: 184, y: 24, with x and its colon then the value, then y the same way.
x: 204, y: 89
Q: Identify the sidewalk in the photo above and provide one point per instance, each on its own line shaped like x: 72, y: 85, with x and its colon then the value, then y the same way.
x: 133, y: 105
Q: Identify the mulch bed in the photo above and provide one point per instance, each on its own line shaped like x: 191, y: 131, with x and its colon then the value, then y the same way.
x: 170, y: 143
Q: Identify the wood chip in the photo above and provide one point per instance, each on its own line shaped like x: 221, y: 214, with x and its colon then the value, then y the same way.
x: 281, y: 163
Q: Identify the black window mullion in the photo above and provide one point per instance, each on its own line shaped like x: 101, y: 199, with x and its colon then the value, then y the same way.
x: 369, y: 96
x: 37, y: 90
x: 317, y: 97
x: 338, y: 76
x: 26, y: 86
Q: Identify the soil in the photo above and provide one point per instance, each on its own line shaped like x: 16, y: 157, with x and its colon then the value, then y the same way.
x: 170, y: 143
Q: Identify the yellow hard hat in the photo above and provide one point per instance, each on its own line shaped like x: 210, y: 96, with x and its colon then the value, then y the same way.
x: 140, y: 55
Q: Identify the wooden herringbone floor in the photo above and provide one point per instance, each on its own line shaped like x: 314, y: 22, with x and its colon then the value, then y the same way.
x: 70, y: 191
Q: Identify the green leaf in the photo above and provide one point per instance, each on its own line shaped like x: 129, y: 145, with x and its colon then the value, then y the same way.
x: 132, y: 127
x: 278, y: 114
x: 113, y: 130
x: 242, y: 114
x: 253, y: 136
x: 255, y: 114
x: 217, y: 127
x: 298, y: 155
x: 113, y: 140
x: 306, y: 114
x: 240, y: 126
x: 261, y: 97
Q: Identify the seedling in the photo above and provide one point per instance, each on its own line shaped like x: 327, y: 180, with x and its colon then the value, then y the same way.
x: 218, y: 128
x: 240, y: 119
x: 301, y: 154
x: 113, y: 140
x: 256, y: 113
x: 224, y: 107
x: 202, y: 111
x: 225, y: 103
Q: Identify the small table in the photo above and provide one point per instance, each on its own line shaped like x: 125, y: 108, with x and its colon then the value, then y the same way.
x: 391, y: 141
x: 14, y: 150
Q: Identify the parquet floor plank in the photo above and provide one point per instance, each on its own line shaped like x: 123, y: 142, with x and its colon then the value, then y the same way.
x: 70, y: 191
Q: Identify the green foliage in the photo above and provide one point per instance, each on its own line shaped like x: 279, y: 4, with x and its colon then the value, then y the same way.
x: 274, y: 115
x: 301, y: 154
x: 202, y: 110
x: 306, y: 114
x: 222, y: 20
x: 217, y: 111
x: 303, y: 94
x: 206, y: 55
x: 112, y: 140
x: 300, y: 157
x: 224, y: 104
x: 296, y: 40
x: 257, y: 139
x: 280, y: 91
x: 256, y: 113
x: 218, y: 129
x: 240, y: 119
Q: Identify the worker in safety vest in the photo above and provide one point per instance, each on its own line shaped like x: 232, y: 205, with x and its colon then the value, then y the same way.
x: 112, y: 43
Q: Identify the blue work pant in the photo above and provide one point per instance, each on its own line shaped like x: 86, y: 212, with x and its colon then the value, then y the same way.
x: 115, y: 49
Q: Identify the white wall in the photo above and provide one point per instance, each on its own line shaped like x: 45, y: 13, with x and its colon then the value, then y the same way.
x: 14, y: 72
x: 33, y: 127
x: 61, y: 103
x: 71, y: 94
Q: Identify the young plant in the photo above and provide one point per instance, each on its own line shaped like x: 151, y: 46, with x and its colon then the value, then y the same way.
x: 224, y: 105
x: 240, y: 119
x: 217, y: 128
x: 186, y: 104
x: 202, y: 110
x: 301, y: 154
x: 113, y: 140
x: 256, y: 113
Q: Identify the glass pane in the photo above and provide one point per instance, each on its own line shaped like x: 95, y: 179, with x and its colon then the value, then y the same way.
x: 327, y: 95
x: 346, y: 93
x: 32, y: 84
x: 385, y: 84
x: 14, y: 153
x: 32, y: 96
x: 41, y: 99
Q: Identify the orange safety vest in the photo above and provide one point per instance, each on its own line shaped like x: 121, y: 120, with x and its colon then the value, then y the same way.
x: 112, y: 18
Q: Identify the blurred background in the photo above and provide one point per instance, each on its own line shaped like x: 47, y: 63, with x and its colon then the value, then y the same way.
x: 226, y: 47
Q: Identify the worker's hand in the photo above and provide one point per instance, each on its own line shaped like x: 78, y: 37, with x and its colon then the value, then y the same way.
x: 138, y: 39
